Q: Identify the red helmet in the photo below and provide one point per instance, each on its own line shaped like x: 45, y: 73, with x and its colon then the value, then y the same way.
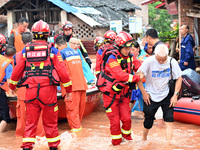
x: 124, y: 39
x: 41, y: 28
x: 98, y: 41
x: 110, y: 35
x: 2, y: 39
x: 68, y: 25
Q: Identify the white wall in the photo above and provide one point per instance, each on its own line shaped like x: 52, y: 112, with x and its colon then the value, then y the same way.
x: 141, y: 13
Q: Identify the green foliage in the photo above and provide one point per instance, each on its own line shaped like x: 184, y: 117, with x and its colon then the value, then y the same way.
x: 167, y: 36
x: 159, y: 19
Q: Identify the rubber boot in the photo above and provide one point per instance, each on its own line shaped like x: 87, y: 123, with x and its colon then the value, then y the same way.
x: 52, y: 148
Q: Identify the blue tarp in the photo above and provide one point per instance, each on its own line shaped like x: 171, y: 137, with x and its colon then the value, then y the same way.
x: 64, y: 6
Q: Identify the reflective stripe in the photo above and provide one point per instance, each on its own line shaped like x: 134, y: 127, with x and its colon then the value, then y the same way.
x: 55, y: 108
x: 32, y: 66
x: 24, y: 55
x: 73, y: 57
x: 28, y: 140
x: 113, y: 64
x: 115, y: 88
x: 4, y: 63
x: 13, y: 82
x: 108, y: 110
x: 119, y: 60
x: 60, y: 58
x: 76, y: 130
x: 37, y: 47
x: 126, y: 131
x: 83, y: 48
x: 115, y: 137
x: 130, y: 79
x: 67, y: 84
x: 41, y: 65
x: 51, y: 54
x: 129, y: 59
x: 97, y: 72
x: 55, y: 139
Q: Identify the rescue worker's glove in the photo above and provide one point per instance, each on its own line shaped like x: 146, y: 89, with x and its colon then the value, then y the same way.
x: 88, y: 61
x: 12, y: 85
x: 132, y: 85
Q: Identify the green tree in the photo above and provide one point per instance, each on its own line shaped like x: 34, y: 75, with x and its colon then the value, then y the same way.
x: 159, y: 19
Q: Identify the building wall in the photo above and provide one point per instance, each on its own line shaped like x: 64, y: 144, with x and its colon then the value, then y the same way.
x: 141, y: 13
x: 184, y: 6
x: 86, y: 33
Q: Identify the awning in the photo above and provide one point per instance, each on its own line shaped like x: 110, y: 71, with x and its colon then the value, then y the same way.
x: 91, y: 22
x: 64, y: 6
x: 146, y: 2
x: 2, y: 25
x: 160, y: 5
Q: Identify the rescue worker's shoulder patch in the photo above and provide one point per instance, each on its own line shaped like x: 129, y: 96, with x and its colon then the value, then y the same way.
x: 111, y: 57
x: 54, y: 50
x: 24, y: 50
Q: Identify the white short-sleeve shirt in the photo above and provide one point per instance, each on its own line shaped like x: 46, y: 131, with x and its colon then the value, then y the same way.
x: 158, y: 75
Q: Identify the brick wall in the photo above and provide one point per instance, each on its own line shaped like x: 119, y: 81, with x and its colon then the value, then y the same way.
x: 185, y: 6
x: 89, y: 45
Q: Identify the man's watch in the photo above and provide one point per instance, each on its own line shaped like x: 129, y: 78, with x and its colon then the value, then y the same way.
x: 176, y: 93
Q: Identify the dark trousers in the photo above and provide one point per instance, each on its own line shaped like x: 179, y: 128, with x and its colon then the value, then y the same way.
x: 4, y: 109
x: 150, y: 110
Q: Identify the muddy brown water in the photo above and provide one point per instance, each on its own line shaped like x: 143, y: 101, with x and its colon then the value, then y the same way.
x: 95, y: 135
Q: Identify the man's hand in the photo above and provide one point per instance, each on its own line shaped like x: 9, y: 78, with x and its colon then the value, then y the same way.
x: 185, y: 63
x: 146, y: 98
x: 67, y: 96
x: 141, y: 75
x: 173, y: 101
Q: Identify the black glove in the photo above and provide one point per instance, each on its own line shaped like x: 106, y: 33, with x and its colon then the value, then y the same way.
x: 132, y: 86
x: 88, y: 61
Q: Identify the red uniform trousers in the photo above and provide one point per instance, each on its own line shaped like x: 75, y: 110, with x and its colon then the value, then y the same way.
x: 119, y: 111
x: 47, y: 95
x: 75, y: 107
x: 21, y: 120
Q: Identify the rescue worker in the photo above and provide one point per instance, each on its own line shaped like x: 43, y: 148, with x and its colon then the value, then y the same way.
x: 109, y: 38
x: 40, y: 70
x: 114, y: 81
x: 2, y: 43
x: 68, y: 33
x: 27, y: 37
x: 98, y: 43
x: 16, y: 35
x: 75, y: 106
x: 6, y: 67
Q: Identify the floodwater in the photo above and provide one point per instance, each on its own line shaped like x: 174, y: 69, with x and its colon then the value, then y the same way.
x: 95, y: 135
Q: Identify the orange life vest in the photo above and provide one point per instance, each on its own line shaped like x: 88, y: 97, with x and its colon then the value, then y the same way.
x: 18, y: 43
x: 4, y: 62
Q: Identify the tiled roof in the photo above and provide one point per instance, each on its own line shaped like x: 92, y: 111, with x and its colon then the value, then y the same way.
x: 117, y: 5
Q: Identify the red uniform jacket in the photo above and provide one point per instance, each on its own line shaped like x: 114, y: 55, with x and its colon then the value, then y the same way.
x: 57, y: 63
